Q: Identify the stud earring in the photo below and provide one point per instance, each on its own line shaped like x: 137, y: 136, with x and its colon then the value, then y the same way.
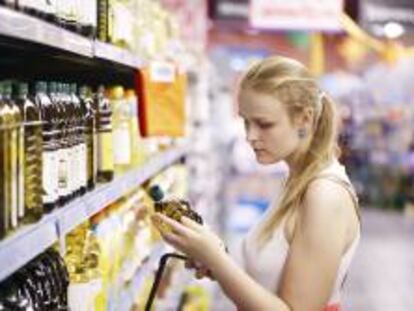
x: 302, y: 133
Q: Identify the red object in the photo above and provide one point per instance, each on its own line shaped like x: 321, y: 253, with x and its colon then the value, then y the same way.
x: 335, y: 307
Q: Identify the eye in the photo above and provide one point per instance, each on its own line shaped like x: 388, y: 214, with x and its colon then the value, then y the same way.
x: 265, y: 125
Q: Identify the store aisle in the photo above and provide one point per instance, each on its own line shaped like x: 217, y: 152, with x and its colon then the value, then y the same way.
x: 382, y: 275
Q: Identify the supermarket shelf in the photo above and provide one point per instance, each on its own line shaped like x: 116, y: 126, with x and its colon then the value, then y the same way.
x: 147, y: 268
x: 32, y: 240
x: 117, y: 55
x: 17, y: 25
x: 21, y: 26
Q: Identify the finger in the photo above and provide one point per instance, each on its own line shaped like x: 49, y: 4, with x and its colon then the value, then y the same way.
x: 175, y: 225
x: 173, y: 239
x: 189, y: 223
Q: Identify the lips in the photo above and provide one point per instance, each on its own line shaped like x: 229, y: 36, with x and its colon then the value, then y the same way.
x: 258, y: 150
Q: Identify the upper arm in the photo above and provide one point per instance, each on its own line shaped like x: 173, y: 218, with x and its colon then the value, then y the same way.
x: 316, y: 248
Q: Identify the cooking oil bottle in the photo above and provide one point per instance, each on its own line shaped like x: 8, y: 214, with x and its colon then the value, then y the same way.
x: 31, y: 163
x: 121, y: 127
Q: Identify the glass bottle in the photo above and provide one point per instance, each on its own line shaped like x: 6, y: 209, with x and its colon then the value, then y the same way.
x: 89, y: 115
x: 105, y: 143
x: 16, y: 136
x: 4, y: 171
x: 32, y: 163
x: 50, y: 134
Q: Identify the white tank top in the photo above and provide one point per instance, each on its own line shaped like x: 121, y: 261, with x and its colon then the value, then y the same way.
x: 265, y: 264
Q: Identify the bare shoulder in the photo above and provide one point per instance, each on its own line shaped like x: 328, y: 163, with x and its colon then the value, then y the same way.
x: 326, y: 197
x: 328, y: 209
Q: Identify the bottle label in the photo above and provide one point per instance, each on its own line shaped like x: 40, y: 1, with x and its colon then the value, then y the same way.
x: 14, y: 174
x: 92, y: 13
x: 50, y: 6
x: 75, y: 167
x: 105, y: 152
x: 83, y: 165
x: 62, y: 172
x: 122, y: 145
x: 70, y: 152
x: 95, y: 153
x: 33, y: 165
x: 49, y: 176
x: 81, y: 296
x: 64, y: 8
x: 20, y: 169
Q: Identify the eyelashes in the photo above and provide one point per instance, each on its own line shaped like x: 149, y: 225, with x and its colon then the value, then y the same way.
x: 265, y: 125
x: 262, y: 125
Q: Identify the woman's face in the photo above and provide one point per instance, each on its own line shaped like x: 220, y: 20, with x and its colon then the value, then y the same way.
x: 269, y: 130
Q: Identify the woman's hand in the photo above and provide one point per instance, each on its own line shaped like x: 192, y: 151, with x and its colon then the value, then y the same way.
x: 200, y: 270
x: 195, y: 240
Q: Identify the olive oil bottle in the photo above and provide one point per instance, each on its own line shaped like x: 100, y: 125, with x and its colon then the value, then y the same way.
x: 4, y: 172
x: 50, y: 134
x: 89, y: 115
x: 32, y: 156
x: 15, y: 165
x: 121, y: 127
x: 105, y: 143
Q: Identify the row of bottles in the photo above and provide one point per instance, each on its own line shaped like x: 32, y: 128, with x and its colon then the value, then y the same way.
x: 142, y: 26
x: 105, y: 253
x: 40, y: 285
x: 102, y: 260
x: 82, y: 258
x: 57, y: 141
x: 75, y: 15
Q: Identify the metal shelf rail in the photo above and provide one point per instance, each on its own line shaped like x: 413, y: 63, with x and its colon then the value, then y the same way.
x: 30, y: 241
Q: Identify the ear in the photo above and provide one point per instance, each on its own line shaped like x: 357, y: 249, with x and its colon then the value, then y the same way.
x: 304, y: 120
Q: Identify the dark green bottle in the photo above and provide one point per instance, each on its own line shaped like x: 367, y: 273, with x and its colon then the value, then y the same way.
x: 50, y: 134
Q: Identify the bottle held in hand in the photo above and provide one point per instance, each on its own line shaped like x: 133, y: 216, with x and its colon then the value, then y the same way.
x: 172, y: 208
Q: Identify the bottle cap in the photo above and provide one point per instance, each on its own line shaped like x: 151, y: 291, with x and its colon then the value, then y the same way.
x: 156, y: 193
x: 117, y: 92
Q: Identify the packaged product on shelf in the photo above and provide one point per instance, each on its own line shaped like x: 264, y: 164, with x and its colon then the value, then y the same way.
x: 121, y: 23
x: 82, y: 259
x: 55, y: 94
x: 50, y: 134
x: 87, y: 13
x: 122, y: 131
x: 79, y: 161
x: 103, y: 20
x: 87, y: 104
x: 14, y: 156
x: 105, y: 153
x: 43, y: 9
x: 123, y: 234
x: 42, y: 284
x: 67, y: 14
x: 31, y: 159
x: 5, y: 172
x: 8, y: 3
x: 137, y: 150
x: 162, y: 103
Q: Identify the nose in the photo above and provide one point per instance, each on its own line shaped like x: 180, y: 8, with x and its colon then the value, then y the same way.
x: 252, y: 134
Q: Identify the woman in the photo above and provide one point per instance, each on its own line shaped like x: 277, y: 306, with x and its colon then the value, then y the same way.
x: 297, y: 256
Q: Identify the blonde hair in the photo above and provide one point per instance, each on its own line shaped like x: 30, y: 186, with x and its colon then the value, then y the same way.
x: 293, y: 85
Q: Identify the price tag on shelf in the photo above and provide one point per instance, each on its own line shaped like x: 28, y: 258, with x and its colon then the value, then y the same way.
x: 162, y: 72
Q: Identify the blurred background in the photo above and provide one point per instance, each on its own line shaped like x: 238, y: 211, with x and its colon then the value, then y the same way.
x: 99, y: 100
